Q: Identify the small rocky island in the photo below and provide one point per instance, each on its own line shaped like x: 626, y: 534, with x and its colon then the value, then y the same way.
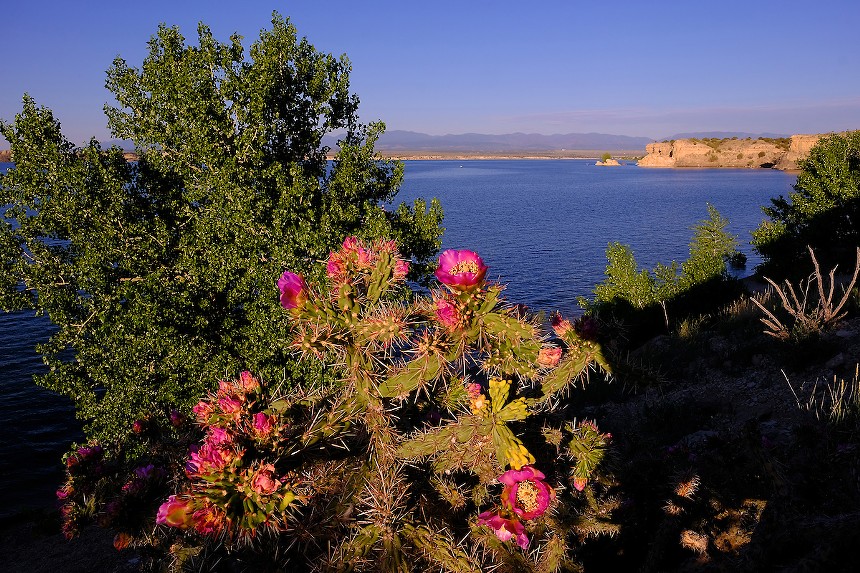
x: 5, y: 155
x: 767, y: 153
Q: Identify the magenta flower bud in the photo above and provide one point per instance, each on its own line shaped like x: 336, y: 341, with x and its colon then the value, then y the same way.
x: 203, y: 410
x: 447, y: 314
x: 264, y: 482
x: 461, y: 270
x: 293, y: 290
x: 247, y: 382
x: 560, y: 324
x: 401, y: 269
x: 230, y: 405
x: 138, y: 427
x: 525, y: 493
x: 549, y: 357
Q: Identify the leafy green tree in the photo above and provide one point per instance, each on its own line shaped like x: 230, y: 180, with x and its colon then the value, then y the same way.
x: 160, y: 274
x: 710, y: 249
x: 823, y: 212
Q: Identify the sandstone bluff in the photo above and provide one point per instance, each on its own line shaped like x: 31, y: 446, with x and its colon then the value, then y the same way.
x: 735, y: 153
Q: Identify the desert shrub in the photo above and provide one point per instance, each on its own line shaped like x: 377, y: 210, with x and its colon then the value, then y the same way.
x: 606, y: 157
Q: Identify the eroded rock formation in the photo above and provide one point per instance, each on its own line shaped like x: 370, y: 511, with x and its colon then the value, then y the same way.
x: 735, y: 153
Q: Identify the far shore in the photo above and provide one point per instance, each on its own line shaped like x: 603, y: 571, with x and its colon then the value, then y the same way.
x: 625, y: 154
x: 629, y: 154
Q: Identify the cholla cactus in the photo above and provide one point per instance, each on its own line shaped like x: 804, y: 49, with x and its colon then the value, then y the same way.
x: 424, y: 455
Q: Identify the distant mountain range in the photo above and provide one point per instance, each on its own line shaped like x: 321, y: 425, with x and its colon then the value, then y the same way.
x: 412, y: 141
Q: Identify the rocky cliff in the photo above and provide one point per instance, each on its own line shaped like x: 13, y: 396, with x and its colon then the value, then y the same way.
x: 735, y: 153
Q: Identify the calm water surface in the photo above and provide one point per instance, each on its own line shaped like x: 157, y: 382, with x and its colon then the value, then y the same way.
x: 541, y: 226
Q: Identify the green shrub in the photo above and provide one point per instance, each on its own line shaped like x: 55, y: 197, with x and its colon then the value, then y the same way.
x: 710, y: 249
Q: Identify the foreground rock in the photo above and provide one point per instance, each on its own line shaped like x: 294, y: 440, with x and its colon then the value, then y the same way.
x: 734, y: 153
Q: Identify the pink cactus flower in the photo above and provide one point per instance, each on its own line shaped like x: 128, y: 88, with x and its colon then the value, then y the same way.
x: 138, y: 427
x: 447, y: 314
x: 549, y: 357
x: 263, y: 424
x: 230, y: 405
x: 505, y: 529
x: 211, y: 457
x: 477, y: 401
x: 579, y: 483
x: 294, y: 290
x: 525, y: 493
x: 334, y: 268
x: 264, y: 482
x: 461, y: 270
x: 175, y: 513
x: 354, y: 249
x: 219, y: 437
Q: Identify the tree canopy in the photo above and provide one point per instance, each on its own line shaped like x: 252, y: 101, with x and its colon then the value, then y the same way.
x: 823, y: 212
x: 160, y: 274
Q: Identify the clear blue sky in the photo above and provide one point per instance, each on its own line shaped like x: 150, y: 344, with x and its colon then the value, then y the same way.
x: 630, y: 68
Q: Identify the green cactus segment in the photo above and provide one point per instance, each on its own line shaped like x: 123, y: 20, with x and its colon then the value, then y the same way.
x: 437, y: 440
x: 419, y: 371
x: 587, y: 448
x: 554, y: 556
x: 571, y: 369
x: 379, y: 281
x: 382, y: 328
x: 513, y: 345
x: 359, y: 546
x: 440, y: 550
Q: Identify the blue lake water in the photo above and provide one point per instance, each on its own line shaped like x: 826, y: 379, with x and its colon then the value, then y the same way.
x: 541, y: 226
